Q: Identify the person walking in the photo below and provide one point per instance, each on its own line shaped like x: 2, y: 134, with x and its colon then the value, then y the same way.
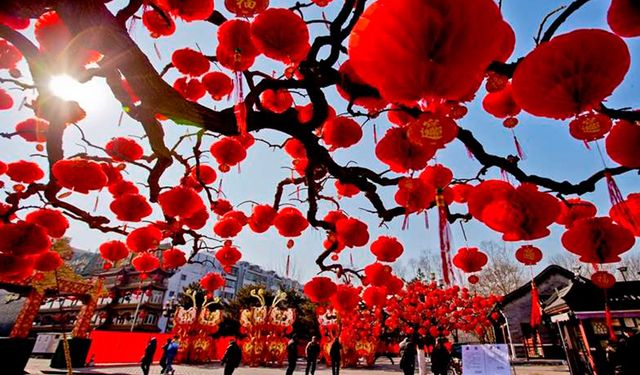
x: 312, y: 352
x: 147, y: 357
x: 335, y: 354
x: 163, y: 359
x: 408, y: 357
x: 171, y: 353
x: 292, y: 354
x: 232, y: 357
x: 440, y: 358
x: 422, y: 360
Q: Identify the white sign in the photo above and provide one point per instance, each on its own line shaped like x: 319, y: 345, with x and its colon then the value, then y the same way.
x: 46, y: 343
x: 488, y: 359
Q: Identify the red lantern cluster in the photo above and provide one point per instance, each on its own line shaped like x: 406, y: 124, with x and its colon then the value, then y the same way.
x: 470, y: 259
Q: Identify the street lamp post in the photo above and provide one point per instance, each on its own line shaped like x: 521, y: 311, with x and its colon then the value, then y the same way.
x: 623, y: 271
x: 168, y: 310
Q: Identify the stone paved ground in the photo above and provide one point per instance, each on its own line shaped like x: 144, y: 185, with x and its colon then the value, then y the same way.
x: 39, y: 366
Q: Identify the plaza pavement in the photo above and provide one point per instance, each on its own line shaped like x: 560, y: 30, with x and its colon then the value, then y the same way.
x: 41, y: 366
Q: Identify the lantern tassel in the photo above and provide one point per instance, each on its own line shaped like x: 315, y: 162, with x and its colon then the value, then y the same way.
x: 288, y: 265
x: 608, y: 318
x: 445, y: 238
x: 426, y: 219
x: 375, y: 134
x: 157, y: 50
x: 405, y: 222
x: 519, y: 149
x: 616, y: 198
x: 586, y: 144
x: 240, y: 108
x: 536, y: 312
x: 470, y: 154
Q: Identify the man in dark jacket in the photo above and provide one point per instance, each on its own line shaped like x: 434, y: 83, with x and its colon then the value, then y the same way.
x: 147, y: 357
x: 440, y: 358
x: 628, y: 351
x: 231, y: 358
x: 312, y: 352
x: 408, y: 358
x: 163, y: 359
x: 335, y: 353
x: 171, y: 353
x: 292, y: 354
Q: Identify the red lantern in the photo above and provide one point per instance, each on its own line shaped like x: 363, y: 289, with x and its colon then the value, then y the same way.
x: 173, y: 259
x: 442, y: 54
x: 54, y: 38
x: 212, y: 282
x: 79, y: 175
x: 188, y: 10
x: 320, y: 289
x: 204, y: 173
x: 191, y: 89
x: 228, y: 152
x: 352, y: 232
x: 598, y: 240
x: 157, y: 24
x: 571, y: 73
x: 23, y: 238
x: 341, y: 132
x: 122, y: 187
x: 276, y: 101
x: 401, y: 155
x: 295, y: 148
x: 603, y: 279
x: 53, y: 221
x: 145, y: 263
x: 221, y: 206
x: 144, y: 239
x: 33, y: 130
x: 590, y: 126
x: 48, y: 261
x: 461, y: 192
x: 574, y: 209
x: 227, y: 227
x: 346, y: 298
x: 281, y: 35
x: 622, y: 144
x: 10, y: 56
x: 198, y: 220
x: 473, y: 279
x: 528, y: 255
x: 377, y: 274
x: 501, y: 103
x: 113, y: 251
x: 236, y: 50
x: 262, y: 218
x: 346, y: 190
x: 217, y: 84
x: 437, y: 176
x: 130, y: 207
x: 24, y: 171
x: 624, y: 18
x: 432, y: 129
x: 627, y: 213
x: 180, y: 201
x: 190, y: 62
x: 15, y: 267
x: 387, y: 249
x: 124, y: 149
x: 6, y: 101
x: 246, y: 8
x: 350, y: 82
x: 290, y: 222
x: 228, y: 256
x: 470, y: 259
x: 414, y: 194
x: 375, y: 296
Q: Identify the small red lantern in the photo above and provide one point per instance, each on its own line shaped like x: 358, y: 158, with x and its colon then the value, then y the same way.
x: 346, y: 298
x: 470, y: 259
x: 52, y: 221
x: 437, y: 176
x: 290, y: 222
x: 377, y: 274
x: 228, y: 152
x: 124, y: 149
x: 624, y: 18
x: 603, y: 279
x: 212, y: 282
x: 590, y: 126
x: 414, y: 194
x: 622, y: 144
x: 227, y: 227
x: 157, y: 24
x: 236, y: 50
x: 401, y: 155
x: 387, y: 249
x: 23, y: 238
x: 501, y: 104
x: 375, y: 296
x: 113, y: 251
x: 473, y: 279
x: 144, y: 239
x: 574, y: 209
x: 281, y: 35
x: 190, y: 62
x: 191, y: 89
x: 320, y: 289
x: 262, y: 218
x: 228, y: 256
x: 627, y: 213
x: 352, y: 232
x: 131, y: 207
x: 188, y: 10
x: 346, y: 189
x: 432, y: 129
x: 173, y: 258
x: 145, y: 263
x: 246, y: 8
x: 217, y: 84
x: 528, y: 255
x: 48, y: 261
x: 33, y: 130
x: 276, y: 101
x: 10, y: 56
x: 180, y: 201
x: 24, y: 171
x: 341, y: 132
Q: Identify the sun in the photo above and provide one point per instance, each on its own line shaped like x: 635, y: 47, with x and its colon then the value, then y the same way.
x: 89, y: 95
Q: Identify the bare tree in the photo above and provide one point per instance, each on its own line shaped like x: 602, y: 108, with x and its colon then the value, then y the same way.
x: 632, y: 264
x: 569, y: 261
x: 502, y: 274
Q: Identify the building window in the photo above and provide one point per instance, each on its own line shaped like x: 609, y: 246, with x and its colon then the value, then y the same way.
x: 150, y: 319
x: 171, y: 293
x: 183, y: 277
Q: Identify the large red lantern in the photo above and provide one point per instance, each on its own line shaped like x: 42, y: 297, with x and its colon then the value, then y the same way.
x: 622, y: 144
x: 131, y: 207
x: 124, y: 149
x: 23, y: 239
x: 212, y: 282
x: 246, y: 8
x: 528, y: 255
x: 574, y: 209
x: 145, y: 263
x: 598, y: 240
x: 281, y: 35
x: 173, y: 258
x: 144, y: 239
x: 113, y: 251
x: 441, y: 54
x: 236, y: 50
x: 501, y: 103
x: 624, y: 18
x: 387, y: 249
x: 350, y: 82
x: 603, y: 279
x: 24, y: 171
x: 571, y: 74
x: 48, y: 261
x: 320, y: 289
x: 290, y: 222
x: 190, y: 62
x: 52, y: 221
x: 352, y: 232
x: 33, y: 130
x: 470, y: 259
x: 627, y: 213
x: 79, y: 175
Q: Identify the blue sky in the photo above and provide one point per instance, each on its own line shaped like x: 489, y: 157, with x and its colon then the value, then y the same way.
x: 549, y: 148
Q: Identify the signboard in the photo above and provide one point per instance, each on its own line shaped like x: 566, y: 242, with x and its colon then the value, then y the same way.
x: 488, y: 359
x: 46, y: 343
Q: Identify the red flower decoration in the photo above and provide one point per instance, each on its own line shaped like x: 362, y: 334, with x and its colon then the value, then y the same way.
x: 23, y: 238
x: 24, y: 171
x: 281, y: 35
x: 598, y: 240
x: 124, y: 149
x: 190, y: 62
x: 320, y: 289
x: 144, y: 239
x: 387, y: 249
x: 79, y: 175
x: 53, y: 221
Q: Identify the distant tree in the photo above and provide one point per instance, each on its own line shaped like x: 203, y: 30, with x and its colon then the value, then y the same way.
x: 503, y: 273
